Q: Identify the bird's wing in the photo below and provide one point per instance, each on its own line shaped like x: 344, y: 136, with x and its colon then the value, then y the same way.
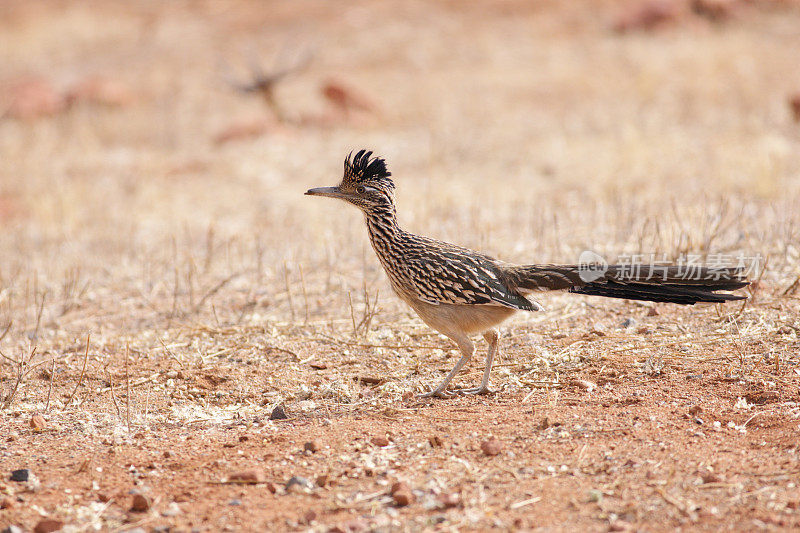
x: 459, y: 276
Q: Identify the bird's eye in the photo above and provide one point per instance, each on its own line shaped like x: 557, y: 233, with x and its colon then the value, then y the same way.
x: 361, y: 189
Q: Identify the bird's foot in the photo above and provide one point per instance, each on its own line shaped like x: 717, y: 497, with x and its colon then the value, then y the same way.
x: 437, y: 393
x: 475, y: 391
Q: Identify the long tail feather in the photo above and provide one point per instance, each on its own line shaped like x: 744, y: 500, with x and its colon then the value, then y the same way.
x: 675, y: 284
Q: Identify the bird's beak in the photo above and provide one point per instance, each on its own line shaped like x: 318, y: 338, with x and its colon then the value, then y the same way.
x: 333, y: 192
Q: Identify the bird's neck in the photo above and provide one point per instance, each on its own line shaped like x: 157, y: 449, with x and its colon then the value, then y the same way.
x: 382, y: 226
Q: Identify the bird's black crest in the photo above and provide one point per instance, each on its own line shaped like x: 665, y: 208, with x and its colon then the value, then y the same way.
x: 363, y: 168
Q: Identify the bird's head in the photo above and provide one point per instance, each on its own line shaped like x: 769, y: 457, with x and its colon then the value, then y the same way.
x: 366, y: 183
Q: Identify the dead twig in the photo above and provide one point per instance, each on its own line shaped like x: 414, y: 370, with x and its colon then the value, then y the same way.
x: 50, y: 388
x: 83, y: 369
x: 22, y: 372
x: 5, y: 331
x: 288, y: 290
x: 211, y: 292
x: 127, y: 388
x: 113, y: 396
x: 305, y: 294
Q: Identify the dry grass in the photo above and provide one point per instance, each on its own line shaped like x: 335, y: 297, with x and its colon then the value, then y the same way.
x: 207, y: 286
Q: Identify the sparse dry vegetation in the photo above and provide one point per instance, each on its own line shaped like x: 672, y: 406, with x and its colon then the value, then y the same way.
x: 164, y: 284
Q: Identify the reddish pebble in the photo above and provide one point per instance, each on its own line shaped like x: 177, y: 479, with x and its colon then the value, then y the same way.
x: 38, y: 423
x: 309, y: 517
x: 48, y: 525
x: 6, y: 503
x: 311, y: 446
x: 380, y: 441
x: 247, y: 476
x: 271, y: 487
x: 398, y: 486
x: 435, y: 441
x: 140, y: 503
x: 491, y: 447
x: 403, y: 497
x: 449, y: 500
x: 321, y: 480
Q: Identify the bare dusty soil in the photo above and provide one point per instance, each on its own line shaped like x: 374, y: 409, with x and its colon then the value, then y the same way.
x: 166, y: 290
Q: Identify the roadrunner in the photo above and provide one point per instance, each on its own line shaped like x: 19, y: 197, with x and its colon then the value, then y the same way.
x: 460, y: 292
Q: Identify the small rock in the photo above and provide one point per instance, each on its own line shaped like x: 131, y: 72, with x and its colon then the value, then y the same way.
x: 270, y: 486
x: 448, y: 500
x: 401, y: 493
x: 21, y: 475
x: 235, y: 503
x: 652, y: 311
x: 398, y: 486
x: 247, y: 477
x: 311, y: 446
x: 279, y: 413
x: 595, y: 496
x: 48, y: 525
x: 695, y: 410
x: 491, y: 447
x: 6, y: 503
x: 13, y: 529
x: 586, y: 385
x: 628, y: 323
x: 435, y: 441
x: 710, y: 477
x: 298, y: 484
x: 380, y: 441
x: 140, y: 503
x: 318, y: 366
x: 619, y: 525
x: 172, y: 509
x: 760, y: 398
x: 321, y: 480
x: 38, y: 423
x: 309, y: 517
x: 597, y: 331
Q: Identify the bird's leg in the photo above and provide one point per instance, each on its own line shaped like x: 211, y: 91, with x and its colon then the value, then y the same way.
x: 467, y: 349
x: 492, y: 336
